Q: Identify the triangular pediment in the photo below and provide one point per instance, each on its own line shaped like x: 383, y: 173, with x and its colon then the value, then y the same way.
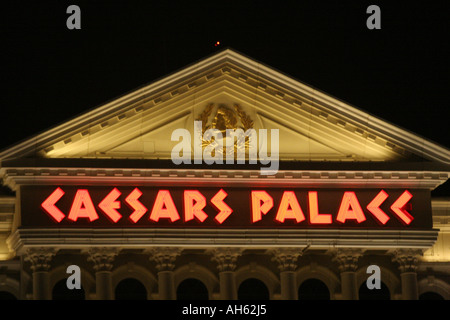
x: 312, y: 125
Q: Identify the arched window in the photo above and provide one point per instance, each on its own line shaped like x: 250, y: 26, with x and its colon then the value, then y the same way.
x: 192, y: 289
x: 430, y: 296
x: 61, y: 292
x: 253, y: 289
x: 5, y: 295
x: 313, y: 289
x: 374, y: 294
x: 130, y: 289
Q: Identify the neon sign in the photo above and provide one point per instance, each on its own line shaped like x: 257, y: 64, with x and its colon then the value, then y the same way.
x: 224, y: 207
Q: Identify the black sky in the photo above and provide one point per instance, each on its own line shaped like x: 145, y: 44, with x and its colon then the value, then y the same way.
x: 400, y: 73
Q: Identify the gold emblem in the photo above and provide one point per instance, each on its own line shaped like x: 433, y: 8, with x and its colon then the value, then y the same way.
x: 224, y: 119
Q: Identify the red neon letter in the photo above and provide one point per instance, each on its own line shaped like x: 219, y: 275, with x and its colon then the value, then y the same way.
x: 224, y: 209
x: 139, y: 208
x: 109, y: 205
x: 192, y: 210
x: 257, y: 209
x: 82, y: 207
x: 398, y: 207
x: 164, y: 207
x: 374, y: 207
x: 49, y: 205
x: 350, y: 208
x: 295, y: 212
x: 314, y: 216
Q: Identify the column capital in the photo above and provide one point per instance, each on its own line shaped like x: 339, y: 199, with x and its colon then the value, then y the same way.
x: 102, y: 258
x: 347, y: 259
x: 226, y: 258
x: 164, y: 257
x: 407, y: 259
x: 286, y: 257
x: 40, y: 258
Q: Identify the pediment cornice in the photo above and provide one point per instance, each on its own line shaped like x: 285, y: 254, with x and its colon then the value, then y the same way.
x: 276, y: 98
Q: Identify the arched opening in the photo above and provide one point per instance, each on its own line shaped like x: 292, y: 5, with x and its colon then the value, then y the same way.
x: 192, y: 289
x: 253, y: 289
x: 130, y: 289
x: 5, y: 295
x: 374, y: 294
x: 430, y: 296
x: 313, y: 289
x: 61, y: 292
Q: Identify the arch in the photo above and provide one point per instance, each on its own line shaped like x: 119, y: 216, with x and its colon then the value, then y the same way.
x: 253, y: 289
x: 130, y: 289
x: 192, y: 289
x: 430, y: 295
x: 10, y: 287
x: 198, y: 272
x: 436, y: 285
x: 313, y: 289
x: 61, y: 292
x: 137, y: 272
x: 258, y: 272
x: 323, y: 274
x: 6, y: 295
x: 365, y: 293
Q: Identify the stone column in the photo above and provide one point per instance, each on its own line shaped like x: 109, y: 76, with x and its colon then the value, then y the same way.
x: 347, y: 260
x: 287, y: 264
x: 165, y: 263
x: 226, y: 264
x: 407, y: 260
x: 40, y: 259
x: 103, y: 259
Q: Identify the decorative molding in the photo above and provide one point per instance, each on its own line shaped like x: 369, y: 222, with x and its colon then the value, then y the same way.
x: 347, y: 259
x: 286, y: 257
x: 147, y: 238
x: 102, y: 257
x: 7, y: 210
x: 225, y: 118
x: 407, y: 259
x: 13, y: 177
x: 40, y: 258
x: 226, y: 258
x: 164, y: 257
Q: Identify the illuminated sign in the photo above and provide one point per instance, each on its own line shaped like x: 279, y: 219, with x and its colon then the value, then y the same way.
x: 234, y: 207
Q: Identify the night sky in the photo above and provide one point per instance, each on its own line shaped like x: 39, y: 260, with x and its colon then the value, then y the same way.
x: 50, y: 74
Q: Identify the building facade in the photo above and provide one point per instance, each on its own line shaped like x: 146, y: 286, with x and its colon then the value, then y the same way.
x: 148, y: 206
